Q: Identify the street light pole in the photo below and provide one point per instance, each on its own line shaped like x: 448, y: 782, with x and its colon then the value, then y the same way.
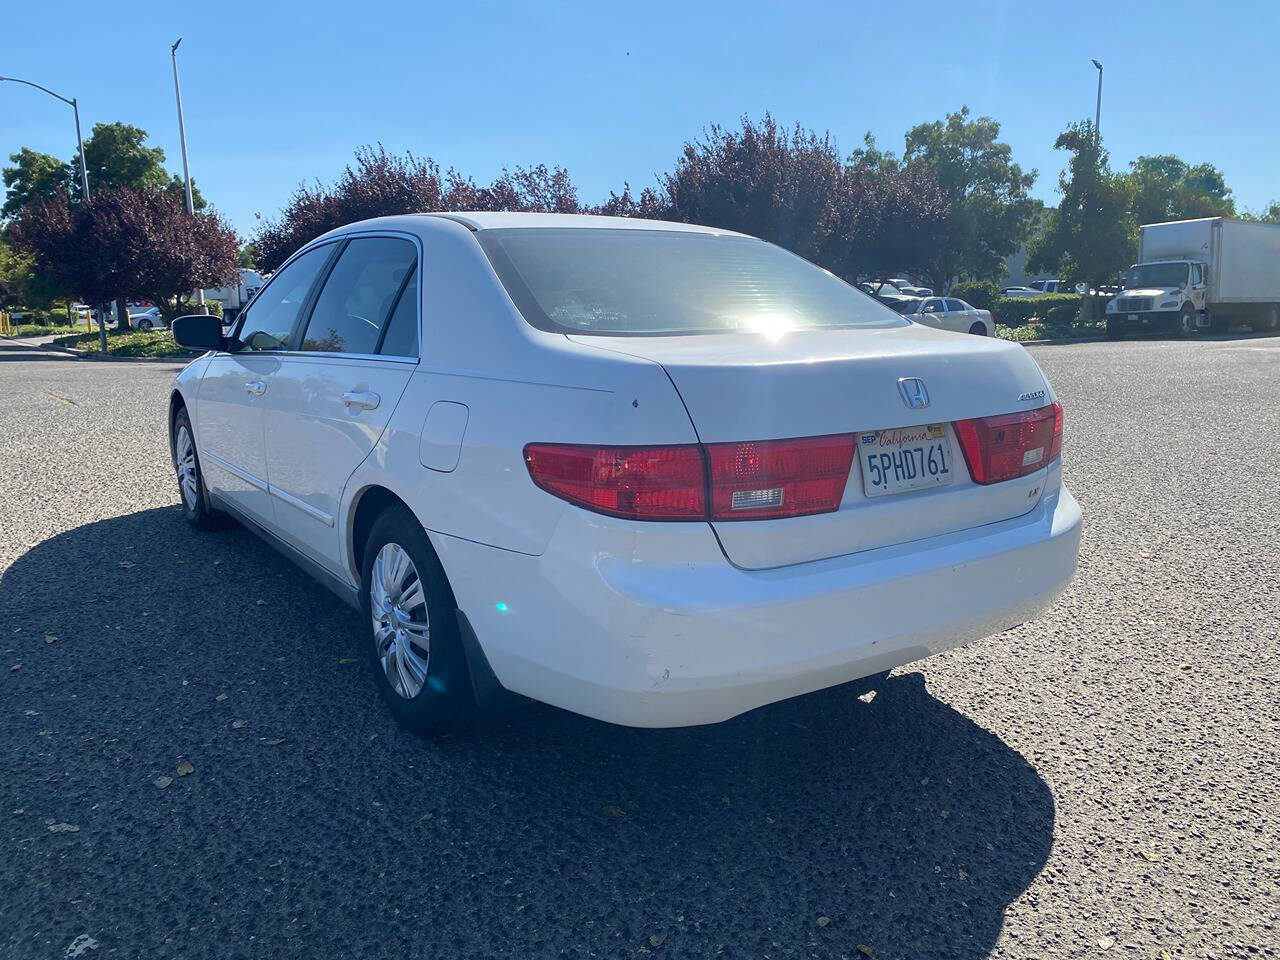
x: 84, y: 168
x: 1097, y: 113
x: 182, y: 137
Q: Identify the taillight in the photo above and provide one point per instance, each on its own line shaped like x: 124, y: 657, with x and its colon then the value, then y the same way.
x: 639, y: 483
x: 754, y: 480
x: 1011, y: 445
x: 778, y: 478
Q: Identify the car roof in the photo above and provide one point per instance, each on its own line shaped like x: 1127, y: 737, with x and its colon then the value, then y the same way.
x: 478, y: 220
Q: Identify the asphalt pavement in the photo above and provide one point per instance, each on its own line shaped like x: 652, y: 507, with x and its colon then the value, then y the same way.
x: 194, y: 762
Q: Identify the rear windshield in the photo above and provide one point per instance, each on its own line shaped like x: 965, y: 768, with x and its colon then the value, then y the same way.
x: 654, y: 282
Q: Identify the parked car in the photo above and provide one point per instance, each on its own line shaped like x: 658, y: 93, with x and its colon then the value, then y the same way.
x: 950, y: 313
x: 146, y: 318
x: 907, y: 287
x: 888, y: 294
x: 655, y: 473
x: 1020, y: 292
x: 1049, y: 286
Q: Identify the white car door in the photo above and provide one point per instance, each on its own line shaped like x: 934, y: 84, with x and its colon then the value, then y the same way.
x: 957, y: 316
x: 236, y: 383
x: 334, y: 394
x: 931, y: 313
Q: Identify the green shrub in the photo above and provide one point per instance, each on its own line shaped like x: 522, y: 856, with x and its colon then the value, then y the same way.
x: 980, y: 293
x: 1015, y: 311
x: 187, y: 307
x: 1063, y: 313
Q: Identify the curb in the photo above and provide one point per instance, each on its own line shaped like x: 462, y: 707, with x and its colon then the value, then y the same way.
x: 94, y: 355
x: 1063, y: 340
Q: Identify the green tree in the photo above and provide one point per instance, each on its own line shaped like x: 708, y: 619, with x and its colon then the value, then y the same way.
x: 1092, y: 234
x: 987, y: 195
x: 117, y: 156
x: 1270, y: 215
x: 33, y: 176
x: 1166, y: 188
x: 178, y: 189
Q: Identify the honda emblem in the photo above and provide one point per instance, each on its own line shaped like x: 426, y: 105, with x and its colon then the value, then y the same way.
x: 914, y: 395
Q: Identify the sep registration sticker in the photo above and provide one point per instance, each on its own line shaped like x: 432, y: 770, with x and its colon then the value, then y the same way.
x: 905, y: 459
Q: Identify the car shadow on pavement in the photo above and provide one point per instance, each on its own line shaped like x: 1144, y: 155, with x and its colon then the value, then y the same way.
x: 313, y: 825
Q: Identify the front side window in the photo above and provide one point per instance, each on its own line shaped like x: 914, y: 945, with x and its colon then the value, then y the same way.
x: 268, y: 323
x: 1197, y: 276
x: 932, y: 306
x: 634, y: 282
x: 357, y: 298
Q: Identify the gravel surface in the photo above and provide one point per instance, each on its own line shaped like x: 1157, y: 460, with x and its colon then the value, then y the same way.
x: 192, y: 764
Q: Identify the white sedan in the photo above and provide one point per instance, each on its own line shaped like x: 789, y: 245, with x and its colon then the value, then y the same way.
x: 950, y: 313
x: 654, y: 473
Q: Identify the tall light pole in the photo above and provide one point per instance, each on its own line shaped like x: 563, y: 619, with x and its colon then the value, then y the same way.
x: 84, y: 174
x: 1097, y: 113
x: 182, y: 136
x: 84, y: 168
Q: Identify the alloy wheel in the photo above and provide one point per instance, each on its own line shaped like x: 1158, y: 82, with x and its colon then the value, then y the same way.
x: 401, y: 624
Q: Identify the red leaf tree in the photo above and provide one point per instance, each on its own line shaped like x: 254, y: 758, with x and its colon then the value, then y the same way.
x: 126, y: 244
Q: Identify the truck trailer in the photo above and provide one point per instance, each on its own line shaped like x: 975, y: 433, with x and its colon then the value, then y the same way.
x: 1197, y: 275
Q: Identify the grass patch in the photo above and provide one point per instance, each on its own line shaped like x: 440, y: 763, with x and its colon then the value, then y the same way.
x: 1051, y: 331
x: 38, y: 330
x: 129, y: 343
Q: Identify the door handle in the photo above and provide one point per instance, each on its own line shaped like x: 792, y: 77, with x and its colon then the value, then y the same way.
x: 256, y: 387
x: 364, y: 399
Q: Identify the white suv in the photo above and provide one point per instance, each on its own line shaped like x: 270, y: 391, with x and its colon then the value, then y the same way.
x: 654, y: 473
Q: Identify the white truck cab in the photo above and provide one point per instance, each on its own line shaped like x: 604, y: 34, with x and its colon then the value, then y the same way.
x: 1163, y: 295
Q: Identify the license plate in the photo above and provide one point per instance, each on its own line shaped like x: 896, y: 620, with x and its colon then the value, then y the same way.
x: 1133, y: 318
x: 908, y: 458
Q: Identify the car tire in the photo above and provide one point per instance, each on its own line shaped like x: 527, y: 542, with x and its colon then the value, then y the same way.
x: 412, y: 640
x: 1268, y: 320
x: 186, y: 463
x: 1115, y: 331
x: 144, y: 324
x: 979, y: 329
x: 1186, y: 322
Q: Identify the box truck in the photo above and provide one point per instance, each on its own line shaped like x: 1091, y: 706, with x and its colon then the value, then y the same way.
x: 1195, y: 275
x: 236, y: 298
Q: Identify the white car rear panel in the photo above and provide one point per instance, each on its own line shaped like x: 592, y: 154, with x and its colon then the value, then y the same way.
x: 739, y: 387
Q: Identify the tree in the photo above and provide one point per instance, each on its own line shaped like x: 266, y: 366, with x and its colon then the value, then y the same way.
x: 33, y: 176
x: 382, y: 184
x: 1091, y: 235
x: 989, y: 208
x: 1270, y: 215
x: 116, y: 157
x: 126, y: 244
x: 1166, y: 188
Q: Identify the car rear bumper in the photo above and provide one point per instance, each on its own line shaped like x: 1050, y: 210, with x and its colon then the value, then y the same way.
x: 650, y: 625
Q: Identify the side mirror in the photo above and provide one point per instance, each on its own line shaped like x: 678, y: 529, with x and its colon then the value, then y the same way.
x: 198, y: 332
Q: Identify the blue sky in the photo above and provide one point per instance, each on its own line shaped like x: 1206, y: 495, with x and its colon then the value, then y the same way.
x: 278, y: 93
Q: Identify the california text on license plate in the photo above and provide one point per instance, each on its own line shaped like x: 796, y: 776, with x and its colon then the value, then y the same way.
x: 908, y: 458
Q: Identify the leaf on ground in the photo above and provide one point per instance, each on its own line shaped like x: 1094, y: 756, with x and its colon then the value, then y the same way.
x: 1148, y: 855
x: 237, y: 724
x: 126, y: 564
x: 260, y: 603
x: 63, y: 828
x: 1106, y: 943
x: 273, y: 742
x: 50, y: 638
x: 185, y: 768
x: 217, y: 563
x: 428, y: 815
x: 615, y: 811
x: 373, y: 737
x: 865, y: 950
x: 162, y: 782
x: 823, y: 921
x: 80, y: 946
x: 657, y: 940
x: 220, y: 697
x: 1184, y: 666
x: 15, y: 668
x: 345, y: 660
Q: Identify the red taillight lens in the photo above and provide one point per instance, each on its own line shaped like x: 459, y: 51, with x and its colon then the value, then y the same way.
x: 640, y: 483
x: 778, y: 478
x: 1011, y: 445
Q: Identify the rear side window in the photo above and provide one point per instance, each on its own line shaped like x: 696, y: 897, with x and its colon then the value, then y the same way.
x: 356, y: 301
x: 636, y: 282
x: 401, y: 339
x: 269, y: 321
x: 955, y: 306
